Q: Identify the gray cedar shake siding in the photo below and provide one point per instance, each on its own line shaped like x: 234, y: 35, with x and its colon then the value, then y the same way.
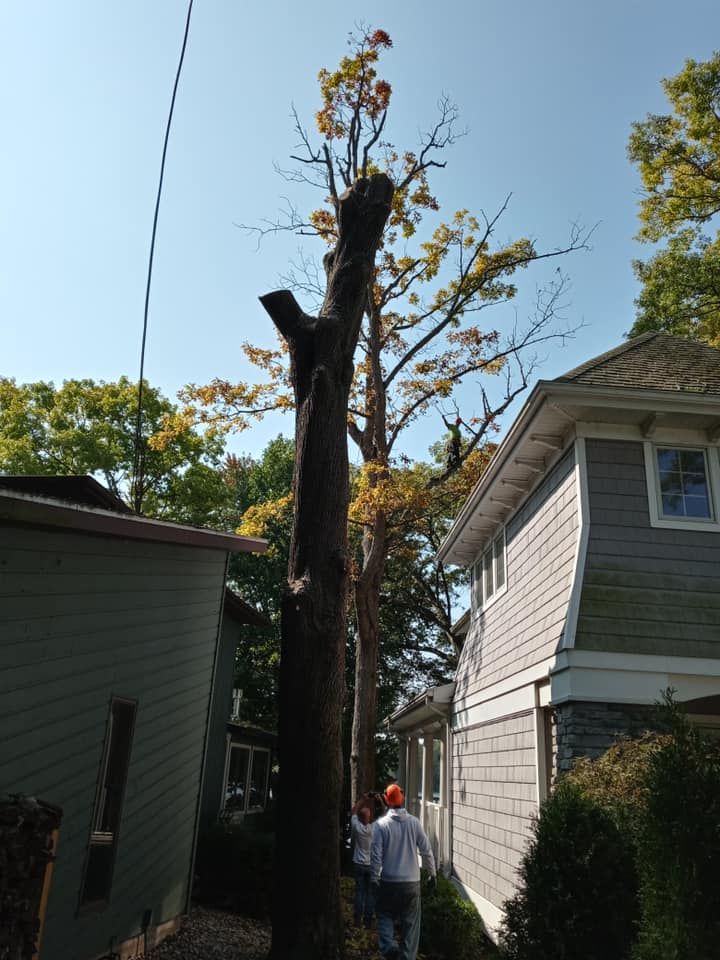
x: 494, y: 773
x: 525, y: 624
x: 645, y: 590
x: 84, y: 618
x: 494, y: 798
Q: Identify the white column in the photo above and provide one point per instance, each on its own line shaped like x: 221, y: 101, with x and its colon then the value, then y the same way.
x: 402, y: 761
x: 443, y: 766
x: 427, y: 776
x: 411, y: 786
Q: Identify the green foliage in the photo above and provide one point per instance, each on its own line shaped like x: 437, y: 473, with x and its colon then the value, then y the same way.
x: 678, y: 156
x: 617, y: 780
x: 88, y: 427
x: 577, y: 897
x: 261, y: 579
x: 233, y: 868
x: 679, y: 848
x: 451, y: 926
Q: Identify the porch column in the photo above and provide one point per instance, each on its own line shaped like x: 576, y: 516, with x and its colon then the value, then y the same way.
x: 402, y: 762
x: 412, y: 771
x: 443, y: 766
x: 427, y: 776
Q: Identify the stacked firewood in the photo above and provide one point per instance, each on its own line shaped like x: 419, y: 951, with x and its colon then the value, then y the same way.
x: 27, y: 826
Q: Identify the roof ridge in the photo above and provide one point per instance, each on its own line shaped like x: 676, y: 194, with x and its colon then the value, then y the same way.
x: 609, y: 355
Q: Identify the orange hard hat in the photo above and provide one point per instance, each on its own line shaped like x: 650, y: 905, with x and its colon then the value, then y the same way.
x: 393, y: 796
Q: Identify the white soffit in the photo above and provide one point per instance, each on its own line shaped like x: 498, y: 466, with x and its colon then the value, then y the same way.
x: 544, y: 427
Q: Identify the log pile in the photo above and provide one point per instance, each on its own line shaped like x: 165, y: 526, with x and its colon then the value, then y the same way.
x: 27, y: 832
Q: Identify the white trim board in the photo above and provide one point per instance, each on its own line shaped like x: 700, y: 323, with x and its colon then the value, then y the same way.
x: 636, y: 662
x: 491, y: 915
x: 583, y: 535
x: 494, y: 698
x: 628, y: 686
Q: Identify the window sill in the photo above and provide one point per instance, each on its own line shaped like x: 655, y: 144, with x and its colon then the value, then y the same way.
x: 491, y: 602
x: 682, y: 523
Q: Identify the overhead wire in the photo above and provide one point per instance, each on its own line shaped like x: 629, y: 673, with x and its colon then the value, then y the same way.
x: 138, y: 478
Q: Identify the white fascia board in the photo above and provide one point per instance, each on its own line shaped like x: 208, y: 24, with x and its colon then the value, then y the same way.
x: 663, y: 401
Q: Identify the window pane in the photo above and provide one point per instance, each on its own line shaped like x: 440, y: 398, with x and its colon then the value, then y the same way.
x: 695, y: 484
x: 477, y: 578
x: 500, y: 561
x: 97, y: 879
x: 697, y: 507
x: 237, y: 778
x: 488, y: 567
x: 692, y: 461
x: 684, y: 483
x: 668, y: 460
x: 258, y: 780
x: 670, y: 482
x: 118, y: 757
x: 672, y: 506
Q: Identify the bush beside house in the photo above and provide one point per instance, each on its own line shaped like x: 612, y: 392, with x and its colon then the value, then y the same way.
x: 577, y: 897
x: 625, y: 856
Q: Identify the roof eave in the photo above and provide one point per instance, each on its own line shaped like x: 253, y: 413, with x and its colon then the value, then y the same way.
x: 17, y: 507
x: 514, y: 434
x: 555, y: 392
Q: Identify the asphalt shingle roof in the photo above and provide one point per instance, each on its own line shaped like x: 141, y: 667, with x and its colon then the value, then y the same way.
x: 653, y: 361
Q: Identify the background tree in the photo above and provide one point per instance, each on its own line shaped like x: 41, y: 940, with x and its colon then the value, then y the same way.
x: 260, y: 504
x: 88, y: 427
x: 419, y: 339
x: 678, y: 156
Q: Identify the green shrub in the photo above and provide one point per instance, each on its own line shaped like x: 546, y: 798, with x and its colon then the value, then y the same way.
x: 679, y: 849
x: 233, y: 868
x: 451, y: 926
x: 577, y: 898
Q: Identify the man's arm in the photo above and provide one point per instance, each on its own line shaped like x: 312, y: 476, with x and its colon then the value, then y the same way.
x: 377, y: 853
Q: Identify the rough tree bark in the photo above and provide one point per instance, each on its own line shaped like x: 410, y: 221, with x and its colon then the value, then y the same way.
x: 307, y: 920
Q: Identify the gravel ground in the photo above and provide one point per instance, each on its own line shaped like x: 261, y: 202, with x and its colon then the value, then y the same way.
x: 215, y: 935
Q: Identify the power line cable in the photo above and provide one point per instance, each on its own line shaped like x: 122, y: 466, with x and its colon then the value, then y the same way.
x: 139, y: 453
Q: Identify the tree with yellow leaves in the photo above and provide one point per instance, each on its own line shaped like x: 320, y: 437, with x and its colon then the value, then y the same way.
x: 420, y: 336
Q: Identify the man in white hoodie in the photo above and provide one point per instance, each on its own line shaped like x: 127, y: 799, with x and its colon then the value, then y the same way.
x: 398, y: 838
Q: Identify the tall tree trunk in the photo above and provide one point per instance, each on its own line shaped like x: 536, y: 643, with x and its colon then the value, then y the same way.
x: 367, y: 608
x: 307, y: 917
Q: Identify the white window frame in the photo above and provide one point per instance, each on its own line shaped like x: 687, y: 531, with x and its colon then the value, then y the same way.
x: 480, y: 601
x: 652, y: 477
x: 238, y: 813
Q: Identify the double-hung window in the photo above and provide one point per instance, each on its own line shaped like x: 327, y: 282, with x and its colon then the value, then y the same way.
x: 489, y: 573
x: 682, y: 486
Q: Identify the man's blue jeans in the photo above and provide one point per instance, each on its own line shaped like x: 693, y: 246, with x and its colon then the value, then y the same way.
x: 363, y: 905
x: 399, y: 903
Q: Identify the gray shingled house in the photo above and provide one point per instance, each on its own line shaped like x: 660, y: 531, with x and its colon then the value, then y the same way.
x: 110, y: 630
x: 593, y: 540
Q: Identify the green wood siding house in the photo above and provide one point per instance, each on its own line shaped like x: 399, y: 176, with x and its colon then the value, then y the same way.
x: 109, y: 637
x: 593, y: 540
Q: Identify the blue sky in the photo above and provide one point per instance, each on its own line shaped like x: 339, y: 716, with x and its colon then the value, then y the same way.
x: 547, y: 91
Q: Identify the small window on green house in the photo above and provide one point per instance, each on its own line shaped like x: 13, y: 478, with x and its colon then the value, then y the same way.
x: 97, y: 880
x: 259, y: 780
x: 237, y: 779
